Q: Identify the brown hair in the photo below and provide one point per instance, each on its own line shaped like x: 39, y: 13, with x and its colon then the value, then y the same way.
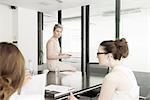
x: 119, y: 48
x: 57, y: 26
x: 12, y: 70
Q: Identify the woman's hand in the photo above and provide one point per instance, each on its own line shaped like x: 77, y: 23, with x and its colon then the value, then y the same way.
x: 27, y: 77
x: 72, y: 97
x: 65, y: 56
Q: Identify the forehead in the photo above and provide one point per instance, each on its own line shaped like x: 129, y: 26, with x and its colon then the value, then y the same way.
x: 101, y: 48
x: 58, y: 29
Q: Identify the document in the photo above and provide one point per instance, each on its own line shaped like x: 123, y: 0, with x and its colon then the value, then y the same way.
x: 57, y: 90
x: 36, y: 85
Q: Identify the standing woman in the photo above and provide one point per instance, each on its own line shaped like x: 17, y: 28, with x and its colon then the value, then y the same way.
x: 53, y: 52
x: 120, y: 83
x: 12, y: 70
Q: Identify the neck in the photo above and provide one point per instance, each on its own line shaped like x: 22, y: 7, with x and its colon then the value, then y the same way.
x: 115, y: 64
x: 56, y: 39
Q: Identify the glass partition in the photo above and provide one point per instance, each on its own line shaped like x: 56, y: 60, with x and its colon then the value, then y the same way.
x: 102, y: 25
x: 71, y: 36
x: 49, y: 21
x: 135, y: 23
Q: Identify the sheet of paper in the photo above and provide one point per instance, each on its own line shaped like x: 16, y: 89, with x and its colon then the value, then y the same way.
x: 60, y: 89
x: 35, y: 86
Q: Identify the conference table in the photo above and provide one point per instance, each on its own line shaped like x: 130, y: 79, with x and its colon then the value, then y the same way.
x: 85, y: 86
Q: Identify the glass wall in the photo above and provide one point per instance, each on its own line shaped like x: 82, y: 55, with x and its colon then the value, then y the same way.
x: 102, y: 26
x: 134, y: 26
x: 135, y: 23
x: 71, y: 37
x: 49, y: 22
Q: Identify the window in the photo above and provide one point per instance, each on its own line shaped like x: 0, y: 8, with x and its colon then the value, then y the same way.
x: 71, y: 36
x: 102, y: 26
x: 135, y: 23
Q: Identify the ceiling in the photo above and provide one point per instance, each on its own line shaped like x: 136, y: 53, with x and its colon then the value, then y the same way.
x: 49, y: 7
x: 46, y: 6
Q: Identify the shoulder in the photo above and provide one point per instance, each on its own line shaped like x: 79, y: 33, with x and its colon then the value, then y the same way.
x: 50, y: 42
x: 111, y: 77
x: 110, y: 81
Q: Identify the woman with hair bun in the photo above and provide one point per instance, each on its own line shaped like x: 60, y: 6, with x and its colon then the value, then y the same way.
x: 120, y: 83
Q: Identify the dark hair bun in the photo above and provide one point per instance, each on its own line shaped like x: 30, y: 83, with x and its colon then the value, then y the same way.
x: 122, y: 47
x: 121, y: 42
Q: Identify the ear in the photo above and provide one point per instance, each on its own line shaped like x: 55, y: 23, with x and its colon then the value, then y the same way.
x: 110, y: 55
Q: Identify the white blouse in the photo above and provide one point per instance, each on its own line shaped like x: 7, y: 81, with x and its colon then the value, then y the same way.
x: 132, y: 94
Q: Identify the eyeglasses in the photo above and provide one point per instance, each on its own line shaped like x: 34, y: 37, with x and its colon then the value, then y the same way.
x: 101, y: 53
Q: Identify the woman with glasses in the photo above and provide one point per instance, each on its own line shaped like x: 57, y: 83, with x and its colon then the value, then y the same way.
x: 120, y: 83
